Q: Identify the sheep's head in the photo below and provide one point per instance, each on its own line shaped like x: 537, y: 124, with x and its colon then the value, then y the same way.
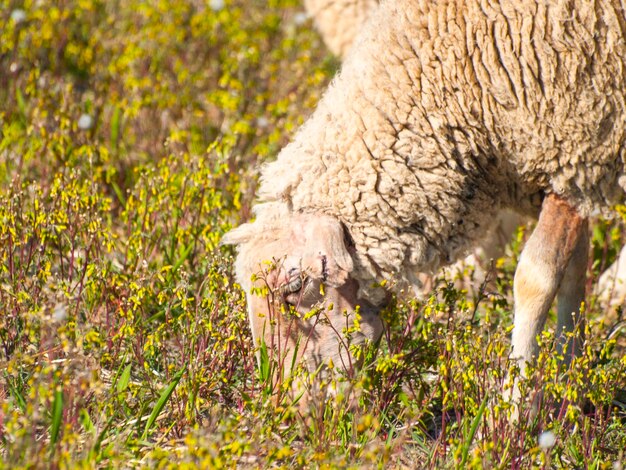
x: 296, y: 271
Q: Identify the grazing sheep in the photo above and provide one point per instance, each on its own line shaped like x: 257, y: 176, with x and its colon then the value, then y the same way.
x: 339, y: 22
x: 443, y: 114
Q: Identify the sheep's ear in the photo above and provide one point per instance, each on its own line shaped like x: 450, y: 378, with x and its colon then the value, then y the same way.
x: 239, y: 235
x: 324, y: 236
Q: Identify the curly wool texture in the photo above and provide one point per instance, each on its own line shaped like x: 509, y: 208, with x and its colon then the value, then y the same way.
x: 446, y: 112
x: 340, y: 21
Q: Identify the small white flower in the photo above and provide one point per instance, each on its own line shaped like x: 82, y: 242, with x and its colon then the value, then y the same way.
x: 262, y: 122
x: 59, y: 313
x: 216, y: 5
x: 85, y: 122
x: 617, y: 465
x: 18, y: 15
x: 300, y: 18
x: 547, y: 439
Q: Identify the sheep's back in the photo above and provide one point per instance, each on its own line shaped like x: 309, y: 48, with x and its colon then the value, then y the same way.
x: 552, y: 75
x: 539, y: 85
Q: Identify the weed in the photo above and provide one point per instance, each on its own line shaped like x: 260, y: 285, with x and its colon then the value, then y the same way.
x: 131, y: 138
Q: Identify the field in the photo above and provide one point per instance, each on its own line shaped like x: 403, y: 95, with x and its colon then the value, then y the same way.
x: 131, y: 138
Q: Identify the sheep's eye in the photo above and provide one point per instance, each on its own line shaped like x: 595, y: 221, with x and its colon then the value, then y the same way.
x: 293, y: 286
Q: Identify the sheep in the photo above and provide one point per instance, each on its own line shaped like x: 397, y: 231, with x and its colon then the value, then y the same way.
x: 443, y: 114
x: 340, y: 21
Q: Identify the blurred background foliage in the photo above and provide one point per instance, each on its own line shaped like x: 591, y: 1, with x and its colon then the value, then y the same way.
x: 131, y: 137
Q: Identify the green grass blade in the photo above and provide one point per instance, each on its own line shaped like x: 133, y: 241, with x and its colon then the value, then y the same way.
x: 472, y: 432
x: 86, y: 422
x: 264, y: 362
x: 294, y: 357
x: 122, y: 383
x: 183, y: 256
x: 116, y: 124
x: 15, y: 393
x: 21, y: 105
x: 57, y: 416
x: 165, y: 396
x: 119, y: 193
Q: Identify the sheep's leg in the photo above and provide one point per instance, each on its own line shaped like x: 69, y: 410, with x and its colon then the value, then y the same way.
x: 570, y: 296
x: 541, y: 269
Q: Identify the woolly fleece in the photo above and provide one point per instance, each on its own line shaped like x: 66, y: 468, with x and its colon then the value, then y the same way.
x: 446, y: 112
x: 339, y: 21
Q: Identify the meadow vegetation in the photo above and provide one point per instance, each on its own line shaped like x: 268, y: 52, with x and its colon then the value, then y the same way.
x: 131, y: 138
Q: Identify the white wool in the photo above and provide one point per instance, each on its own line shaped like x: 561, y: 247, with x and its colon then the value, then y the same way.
x: 444, y: 113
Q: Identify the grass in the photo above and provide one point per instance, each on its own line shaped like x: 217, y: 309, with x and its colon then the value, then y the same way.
x: 131, y: 138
